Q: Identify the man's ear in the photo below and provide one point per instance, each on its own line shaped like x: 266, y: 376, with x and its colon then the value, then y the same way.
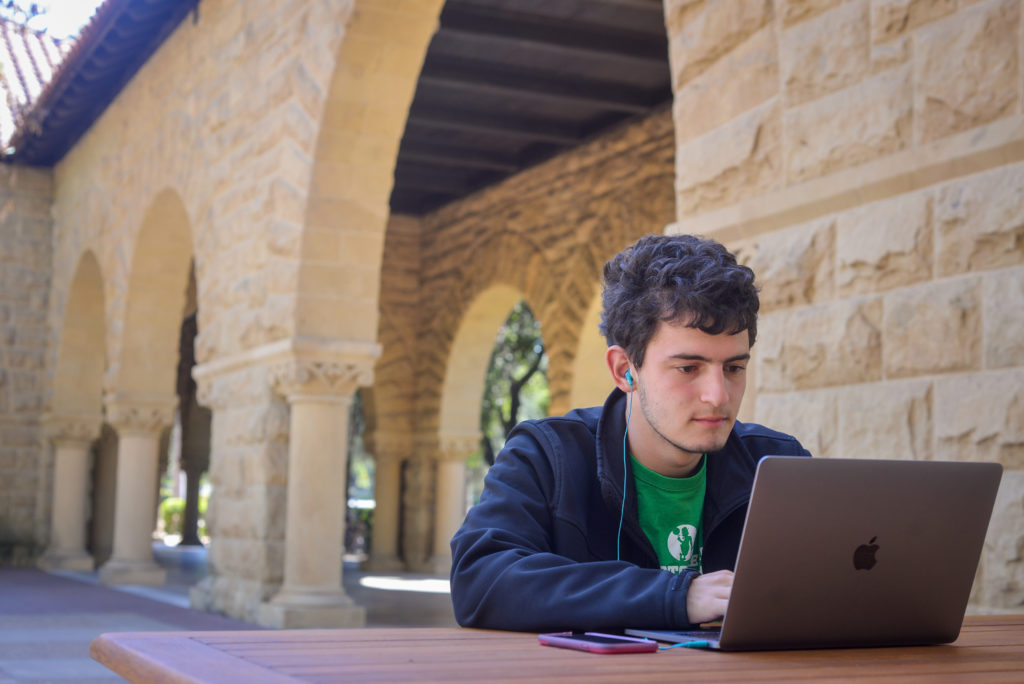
x: 618, y: 365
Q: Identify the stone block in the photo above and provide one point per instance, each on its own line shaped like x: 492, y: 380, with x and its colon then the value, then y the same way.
x: 232, y: 517
x: 885, y: 56
x: 1002, y: 585
x: 793, y: 11
x: 967, y: 69
x: 849, y: 127
x: 700, y: 33
x: 743, y: 79
x: 826, y: 53
x: 893, y: 19
x: 740, y: 159
x: 980, y: 417
x: 812, y: 417
x: 979, y: 222
x: 821, y: 346
x: 793, y: 266
x: 884, y: 245
x: 282, y: 275
x: 226, y: 473
x: 933, y: 328
x: 890, y: 420
x: 1003, y: 298
x: 284, y: 201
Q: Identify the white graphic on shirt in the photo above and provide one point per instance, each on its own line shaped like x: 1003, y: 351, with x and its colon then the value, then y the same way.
x: 681, y: 543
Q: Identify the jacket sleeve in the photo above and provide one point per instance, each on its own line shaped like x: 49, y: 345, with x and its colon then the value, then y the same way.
x: 506, y: 574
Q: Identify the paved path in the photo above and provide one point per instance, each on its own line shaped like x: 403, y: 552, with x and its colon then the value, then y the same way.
x: 47, y: 620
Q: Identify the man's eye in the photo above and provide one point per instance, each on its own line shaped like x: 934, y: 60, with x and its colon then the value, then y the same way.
x: 735, y: 369
x: 688, y: 369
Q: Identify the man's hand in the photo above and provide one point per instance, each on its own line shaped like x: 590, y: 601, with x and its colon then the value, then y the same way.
x: 708, y: 596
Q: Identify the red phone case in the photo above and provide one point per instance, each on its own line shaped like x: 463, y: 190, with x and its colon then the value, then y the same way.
x: 595, y: 642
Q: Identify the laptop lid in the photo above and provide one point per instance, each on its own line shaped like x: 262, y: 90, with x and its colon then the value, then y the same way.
x: 858, y: 552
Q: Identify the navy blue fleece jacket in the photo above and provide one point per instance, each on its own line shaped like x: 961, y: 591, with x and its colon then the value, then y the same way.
x: 538, y: 553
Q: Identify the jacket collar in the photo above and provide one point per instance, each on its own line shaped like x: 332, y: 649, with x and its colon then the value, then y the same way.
x: 729, y: 476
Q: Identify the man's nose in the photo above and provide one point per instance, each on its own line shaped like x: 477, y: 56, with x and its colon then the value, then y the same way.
x: 713, y: 389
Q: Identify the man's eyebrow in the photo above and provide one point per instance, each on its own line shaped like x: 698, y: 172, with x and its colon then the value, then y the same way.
x: 699, y: 357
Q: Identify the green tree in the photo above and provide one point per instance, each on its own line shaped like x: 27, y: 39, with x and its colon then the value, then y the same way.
x: 516, y: 387
x: 359, y: 479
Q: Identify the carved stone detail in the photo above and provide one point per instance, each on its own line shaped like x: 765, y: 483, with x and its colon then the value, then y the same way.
x: 208, y: 396
x: 457, y: 447
x: 320, y: 377
x: 140, y: 415
x: 72, y: 428
x: 387, y: 446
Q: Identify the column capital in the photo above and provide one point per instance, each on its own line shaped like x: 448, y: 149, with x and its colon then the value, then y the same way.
x: 72, y: 428
x: 322, y: 370
x: 321, y: 378
x: 140, y: 414
x: 389, y: 445
x: 298, y: 367
x: 450, y: 446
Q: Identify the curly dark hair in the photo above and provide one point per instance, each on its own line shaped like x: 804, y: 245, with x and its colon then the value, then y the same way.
x: 671, y: 278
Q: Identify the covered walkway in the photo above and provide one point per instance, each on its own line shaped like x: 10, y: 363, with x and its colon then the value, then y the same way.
x: 47, y: 620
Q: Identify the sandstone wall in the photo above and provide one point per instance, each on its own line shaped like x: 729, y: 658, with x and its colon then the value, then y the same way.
x: 865, y: 158
x: 25, y: 253
x: 546, y: 233
x: 225, y: 114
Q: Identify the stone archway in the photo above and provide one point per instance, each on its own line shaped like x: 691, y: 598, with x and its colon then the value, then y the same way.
x: 590, y: 382
x: 141, y: 380
x: 73, y: 423
x: 337, y: 282
x: 347, y: 209
x: 459, y: 428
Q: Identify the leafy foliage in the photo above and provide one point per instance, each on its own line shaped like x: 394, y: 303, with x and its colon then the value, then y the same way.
x: 516, y: 387
x: 360, y: 463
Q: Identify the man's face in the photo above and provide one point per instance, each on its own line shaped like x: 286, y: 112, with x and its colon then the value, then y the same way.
x: 689, y: 391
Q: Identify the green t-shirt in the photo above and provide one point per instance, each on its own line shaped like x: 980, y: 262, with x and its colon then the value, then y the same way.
x: 670, y: 510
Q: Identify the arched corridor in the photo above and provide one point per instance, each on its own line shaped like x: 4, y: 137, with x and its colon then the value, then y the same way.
x: 361, y: 190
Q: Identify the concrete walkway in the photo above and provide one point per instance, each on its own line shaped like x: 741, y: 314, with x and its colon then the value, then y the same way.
x: 48, y: 620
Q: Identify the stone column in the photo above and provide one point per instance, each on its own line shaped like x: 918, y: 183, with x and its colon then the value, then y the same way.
x: 71, y: 436
x: 319, y: 392
x: 450, y: 495
x: 138, y: 421
x: 389, y: 450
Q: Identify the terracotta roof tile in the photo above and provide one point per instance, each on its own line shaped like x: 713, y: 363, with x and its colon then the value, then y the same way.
x: 93, y: 69
x: 28, y: 60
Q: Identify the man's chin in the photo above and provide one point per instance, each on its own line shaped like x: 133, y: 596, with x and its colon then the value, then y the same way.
x: 708, y: 445
x: 701, y: 447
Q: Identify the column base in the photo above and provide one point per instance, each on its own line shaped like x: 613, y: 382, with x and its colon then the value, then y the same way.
x: 441, y: 565
x: 132, y: 572
x: 389, y: 563
x: 294, y: 610
x: 78, y: 561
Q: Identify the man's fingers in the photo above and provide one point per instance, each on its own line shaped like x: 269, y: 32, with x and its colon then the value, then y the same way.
x: 708, y: 596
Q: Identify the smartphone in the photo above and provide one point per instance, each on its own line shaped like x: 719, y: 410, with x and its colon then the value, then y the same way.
x: 595, y: 642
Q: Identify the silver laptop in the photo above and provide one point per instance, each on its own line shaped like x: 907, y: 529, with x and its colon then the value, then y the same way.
x: 854, y: 552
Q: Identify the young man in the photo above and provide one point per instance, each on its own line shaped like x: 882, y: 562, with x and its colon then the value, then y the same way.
x: 630, y: 514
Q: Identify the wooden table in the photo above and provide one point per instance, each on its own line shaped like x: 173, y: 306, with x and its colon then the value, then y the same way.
x: 990, y: 649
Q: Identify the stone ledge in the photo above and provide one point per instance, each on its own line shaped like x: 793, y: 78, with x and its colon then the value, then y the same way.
x: 291, y: 611
x: 283, y: 349
x: 78, y: 561
x: 117, y: 572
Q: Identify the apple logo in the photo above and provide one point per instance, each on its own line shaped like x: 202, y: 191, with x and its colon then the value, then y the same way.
x: 864, y: 556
